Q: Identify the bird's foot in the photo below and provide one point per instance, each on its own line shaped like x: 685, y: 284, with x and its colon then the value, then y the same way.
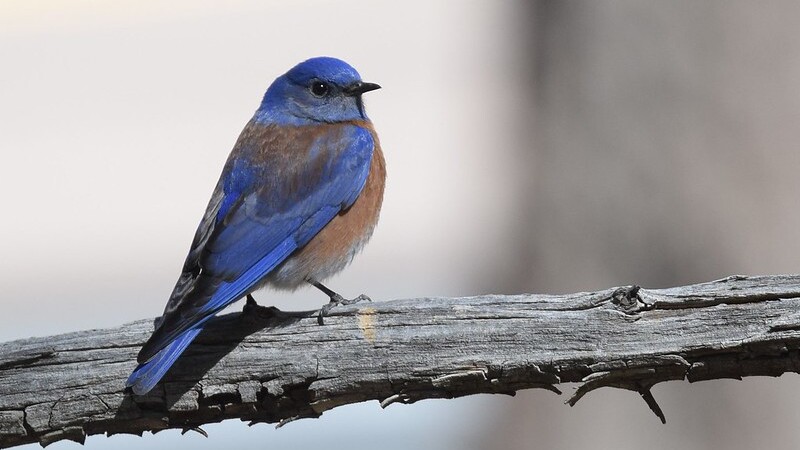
x: 254, y: 311
x: 337, y: 300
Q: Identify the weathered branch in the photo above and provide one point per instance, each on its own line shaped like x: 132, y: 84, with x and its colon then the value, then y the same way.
x: 278, y: 367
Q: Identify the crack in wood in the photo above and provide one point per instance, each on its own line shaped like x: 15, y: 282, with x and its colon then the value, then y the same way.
x: 26, y: 361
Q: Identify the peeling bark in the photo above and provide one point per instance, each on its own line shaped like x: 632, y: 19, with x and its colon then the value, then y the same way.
x: 268, y: 366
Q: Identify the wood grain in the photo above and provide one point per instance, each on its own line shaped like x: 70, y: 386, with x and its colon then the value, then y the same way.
x: 267, y: 366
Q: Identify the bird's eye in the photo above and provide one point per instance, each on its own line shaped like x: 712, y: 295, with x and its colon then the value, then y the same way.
x: 319, y: 88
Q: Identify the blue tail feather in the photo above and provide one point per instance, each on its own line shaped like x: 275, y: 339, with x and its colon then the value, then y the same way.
x: 148, y: 374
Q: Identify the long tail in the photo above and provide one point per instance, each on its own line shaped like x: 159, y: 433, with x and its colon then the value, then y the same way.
x: 149, y: 373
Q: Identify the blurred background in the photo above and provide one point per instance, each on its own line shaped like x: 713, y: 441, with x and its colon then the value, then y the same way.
x: 532, y: 146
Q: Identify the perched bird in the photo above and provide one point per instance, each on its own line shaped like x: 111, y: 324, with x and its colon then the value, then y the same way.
x: 298, y: 197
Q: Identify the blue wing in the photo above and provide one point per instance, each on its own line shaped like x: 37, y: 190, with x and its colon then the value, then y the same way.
x: 269, y: 202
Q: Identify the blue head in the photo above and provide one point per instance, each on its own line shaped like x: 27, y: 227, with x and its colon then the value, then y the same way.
x: 317, y: 90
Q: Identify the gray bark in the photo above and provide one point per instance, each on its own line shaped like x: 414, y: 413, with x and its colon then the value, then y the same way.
x: 267, y: 366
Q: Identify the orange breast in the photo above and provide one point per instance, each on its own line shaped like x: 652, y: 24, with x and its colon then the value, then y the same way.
x: 334, y: 247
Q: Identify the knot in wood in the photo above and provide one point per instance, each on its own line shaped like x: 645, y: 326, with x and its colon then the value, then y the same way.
x: 627, y: 299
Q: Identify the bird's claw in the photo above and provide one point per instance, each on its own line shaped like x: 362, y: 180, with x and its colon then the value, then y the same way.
x: 337, y: 300
x: 350, y: 301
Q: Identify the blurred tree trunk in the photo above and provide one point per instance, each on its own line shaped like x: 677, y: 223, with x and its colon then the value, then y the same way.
x: 663, y: 149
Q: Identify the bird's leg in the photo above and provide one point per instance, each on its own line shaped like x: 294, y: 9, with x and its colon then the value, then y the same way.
x: 336, y: 299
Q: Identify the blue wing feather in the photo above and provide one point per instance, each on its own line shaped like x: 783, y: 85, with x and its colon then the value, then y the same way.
x: 230, y: 291
x: 255, y: 226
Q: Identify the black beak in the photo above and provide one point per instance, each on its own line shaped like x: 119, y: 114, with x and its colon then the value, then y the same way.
x: 359, y: 88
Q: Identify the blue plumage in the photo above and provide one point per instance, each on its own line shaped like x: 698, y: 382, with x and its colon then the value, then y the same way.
x: 145, y: 377
x: 303, y: 160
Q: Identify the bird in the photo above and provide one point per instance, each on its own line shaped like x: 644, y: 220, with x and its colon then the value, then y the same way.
x: 299, y: 196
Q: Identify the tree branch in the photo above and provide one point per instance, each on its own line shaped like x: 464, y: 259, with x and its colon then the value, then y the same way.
x: 268, y: 366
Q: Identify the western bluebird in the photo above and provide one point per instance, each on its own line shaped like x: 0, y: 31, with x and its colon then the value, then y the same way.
x: 298, y: 197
